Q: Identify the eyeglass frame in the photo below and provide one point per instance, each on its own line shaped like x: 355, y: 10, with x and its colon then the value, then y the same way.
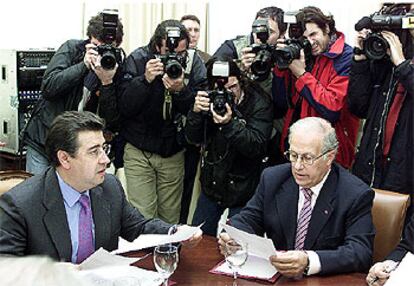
x: 97, y: 153
x: 300, y: 156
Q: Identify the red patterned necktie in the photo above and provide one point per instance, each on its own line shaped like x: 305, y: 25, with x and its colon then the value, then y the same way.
x: 85, y: 236
x: 303, y: 220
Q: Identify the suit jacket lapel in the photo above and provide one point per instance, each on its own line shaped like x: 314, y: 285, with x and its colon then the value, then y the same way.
x: 323, y: 209
x: 55, y: 218
x: 101, y: 210
x: 287, y: 208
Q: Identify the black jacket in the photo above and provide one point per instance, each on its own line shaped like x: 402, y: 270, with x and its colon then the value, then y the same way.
x: 370, y: 95
x: 62, y: 90
x: 233, y: 159
x: 141, y: 104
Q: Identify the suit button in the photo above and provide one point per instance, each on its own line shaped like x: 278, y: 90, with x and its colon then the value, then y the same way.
x: 232, y: 182
x: 214, y: 182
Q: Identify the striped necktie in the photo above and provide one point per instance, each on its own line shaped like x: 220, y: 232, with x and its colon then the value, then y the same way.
x: 304, y: 219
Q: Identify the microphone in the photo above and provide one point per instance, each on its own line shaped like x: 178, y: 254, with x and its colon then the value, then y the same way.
x: 364, y: 22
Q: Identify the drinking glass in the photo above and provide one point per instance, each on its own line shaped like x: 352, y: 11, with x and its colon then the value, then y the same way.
x: 236, y: 255
x: 166, y: 260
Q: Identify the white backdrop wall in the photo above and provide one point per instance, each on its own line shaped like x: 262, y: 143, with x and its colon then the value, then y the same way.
x: 37, y: 24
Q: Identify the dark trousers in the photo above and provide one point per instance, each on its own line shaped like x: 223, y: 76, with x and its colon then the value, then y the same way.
x: 209, y: 212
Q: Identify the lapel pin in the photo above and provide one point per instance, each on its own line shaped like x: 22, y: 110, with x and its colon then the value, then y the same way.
x: 325, y: 212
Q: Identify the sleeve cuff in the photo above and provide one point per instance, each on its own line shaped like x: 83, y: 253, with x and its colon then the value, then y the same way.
x: 314, y: 263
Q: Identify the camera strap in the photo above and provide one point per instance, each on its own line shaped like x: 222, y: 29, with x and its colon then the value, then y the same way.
x: 167, y: 106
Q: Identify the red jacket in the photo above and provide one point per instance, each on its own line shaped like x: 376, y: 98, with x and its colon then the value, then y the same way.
x: 321, y: 93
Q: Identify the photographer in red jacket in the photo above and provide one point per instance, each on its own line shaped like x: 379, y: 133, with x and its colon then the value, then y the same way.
x: 316, y: 86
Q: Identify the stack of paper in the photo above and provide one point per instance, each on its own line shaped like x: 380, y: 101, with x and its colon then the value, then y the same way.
x: 105, y: 269
x: 259, y: 250
x: 151, y: 240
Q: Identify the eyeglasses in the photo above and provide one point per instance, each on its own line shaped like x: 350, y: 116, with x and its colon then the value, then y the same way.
x: 98, y: 151
x: 306, y: 158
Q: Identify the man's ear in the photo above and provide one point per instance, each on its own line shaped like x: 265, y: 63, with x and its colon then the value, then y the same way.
x: 64, y: 159
x: 330, y: 157
x: 327, y: 30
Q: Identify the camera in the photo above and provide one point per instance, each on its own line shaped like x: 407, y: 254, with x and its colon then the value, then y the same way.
x: 263, y: 62
x: 110, y: 55
x: 173, y: 62
x: 374, y: 45
x: 220, y: 95
x: 285, y: 55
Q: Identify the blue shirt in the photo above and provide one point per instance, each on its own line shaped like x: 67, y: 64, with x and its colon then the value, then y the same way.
x: 73, y: 207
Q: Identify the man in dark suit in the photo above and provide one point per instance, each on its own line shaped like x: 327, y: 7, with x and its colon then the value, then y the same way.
x: 317, y: 213
x: 73, y: 208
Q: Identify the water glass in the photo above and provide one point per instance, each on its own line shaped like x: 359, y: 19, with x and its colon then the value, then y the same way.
x: 166, y: 260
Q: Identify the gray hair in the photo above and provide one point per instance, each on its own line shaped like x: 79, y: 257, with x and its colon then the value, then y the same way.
x: 317, y: 125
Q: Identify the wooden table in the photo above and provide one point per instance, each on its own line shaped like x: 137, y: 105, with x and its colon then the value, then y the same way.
x: 195, y: 263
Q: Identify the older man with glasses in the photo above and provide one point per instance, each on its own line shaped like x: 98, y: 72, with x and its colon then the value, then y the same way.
x: 317, y: 213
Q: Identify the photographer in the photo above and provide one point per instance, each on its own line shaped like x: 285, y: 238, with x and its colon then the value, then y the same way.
x: 75, y: 79
x: 381, y: 91
x: 317, y: 87
x: 240, y: 49
x: 158, y: 86
x: 233, y: 138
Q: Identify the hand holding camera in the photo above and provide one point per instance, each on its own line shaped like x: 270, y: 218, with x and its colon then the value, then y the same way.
x: 396, y: 50
x: 153, y: 68
x: 173, y: 84
x: 222, y: 118
x: 298, y: 66
x: 247, y: 58
x: 201, y: 102
x: 90, y: 55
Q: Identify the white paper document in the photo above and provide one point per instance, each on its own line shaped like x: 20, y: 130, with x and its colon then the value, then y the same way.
x: 151, y: 240
x: 105, y: 269
x: 102, y: 257
x: 121, y: 276
x: 255, y: 267
x: 256, y: 245
x: 402, y: 275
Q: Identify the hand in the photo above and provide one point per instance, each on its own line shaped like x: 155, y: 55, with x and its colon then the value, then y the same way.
x: 359, y: 39
x: 104, y: 75
x: 218, y: 119
x: 396, y: 51
x: 153, y: 68
x: 290, y: 263
x: 380, y: 272
x: 247, y: 58
x: 223, y: 238
x: 297, y: 66
x: 173, y: 84
x: 201, y: 102
x: 194, y: 240
x: 90, y: 55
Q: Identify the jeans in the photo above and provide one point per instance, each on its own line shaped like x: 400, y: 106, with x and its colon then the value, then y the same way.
x: 36, y: 163
x: 209, y: 212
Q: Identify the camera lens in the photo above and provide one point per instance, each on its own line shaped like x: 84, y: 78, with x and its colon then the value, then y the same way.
x: 219, y: 103
x: 173, y: 69
x: 375, y: 46
x: 108, y: 60
x: 262, y: 65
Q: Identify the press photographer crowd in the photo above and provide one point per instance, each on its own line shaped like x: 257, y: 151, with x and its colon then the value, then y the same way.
x: 290, y: 127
